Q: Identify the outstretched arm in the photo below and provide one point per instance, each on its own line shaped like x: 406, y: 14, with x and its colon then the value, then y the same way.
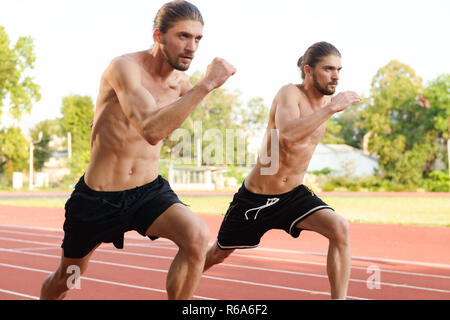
x: 138, y: 104
x: 292, y: 127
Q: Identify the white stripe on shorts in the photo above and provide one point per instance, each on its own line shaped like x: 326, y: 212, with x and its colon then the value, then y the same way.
x: 236, y: 247
x: 303, y: 216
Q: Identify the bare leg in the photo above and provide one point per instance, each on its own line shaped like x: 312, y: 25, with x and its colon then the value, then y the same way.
x: 215, y: 255
x: 191, y: 235
x: 336, y: 229
x: 56, y: 285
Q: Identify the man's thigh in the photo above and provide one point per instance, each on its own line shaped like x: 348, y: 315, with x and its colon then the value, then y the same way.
x: 323, y: 221
x: 177, y: 223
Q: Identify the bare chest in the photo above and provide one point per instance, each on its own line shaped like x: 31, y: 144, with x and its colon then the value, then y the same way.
x: 163, y: 93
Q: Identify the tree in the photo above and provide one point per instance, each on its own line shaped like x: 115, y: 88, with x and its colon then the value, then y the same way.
x: 255, y: 116
x: 398, y: 122
x: 14, y: 151
x: 351, y: 129
x: 209, y: 120
x: 16, y: 86
x: 223, y: 124
x: 437, y: 101
x: 78, y: 111
x: 41, y: 136
x: 333, y: 132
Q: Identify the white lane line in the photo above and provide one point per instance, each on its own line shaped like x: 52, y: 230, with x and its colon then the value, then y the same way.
x: 277, y: 270
x: 277, y: 287
x: 10, y: 226
x: 165, y: 271
x: 37, y: 248
x: 96, y: 280
x: 19, y: 294
x: 353, y: 267
x: 296, y: 261
x: 159, y: 241
x: 372, y: 259
x: 393, y: 285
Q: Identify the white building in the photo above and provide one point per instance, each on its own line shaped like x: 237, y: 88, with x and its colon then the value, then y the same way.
x: 343, y: 159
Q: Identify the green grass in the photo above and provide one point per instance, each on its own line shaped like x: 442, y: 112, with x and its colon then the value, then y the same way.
x: 34, y: 202
x: 426, y: 211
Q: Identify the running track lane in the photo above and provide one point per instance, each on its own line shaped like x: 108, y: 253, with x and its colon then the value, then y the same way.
x: 412, y: 262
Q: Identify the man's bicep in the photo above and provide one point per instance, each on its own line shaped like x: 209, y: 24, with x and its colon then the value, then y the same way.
x: 136, y: 101
x: 287, y: 111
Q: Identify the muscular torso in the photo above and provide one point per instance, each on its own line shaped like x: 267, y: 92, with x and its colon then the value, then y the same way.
x: 292, y: 162
x: 120, y: 157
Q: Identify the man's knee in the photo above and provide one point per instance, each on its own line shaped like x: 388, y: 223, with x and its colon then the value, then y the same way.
x: 196, y: 240
x: 220, y: 255
x: 217, y: 255
x: 55, y: 286
x: 340, y: 231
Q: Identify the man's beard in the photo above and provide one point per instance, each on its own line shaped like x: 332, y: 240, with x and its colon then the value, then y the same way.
x: 174, y: 62
x: 325, y: 91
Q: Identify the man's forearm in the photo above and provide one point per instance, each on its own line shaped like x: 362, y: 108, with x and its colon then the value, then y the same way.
x: 298, y: 130
x: 162, y: 122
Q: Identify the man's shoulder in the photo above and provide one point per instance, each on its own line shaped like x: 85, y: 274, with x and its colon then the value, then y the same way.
x: 288, y: 92
x: 122, y: 67
x: 123, y: 62
x: 289, y: 89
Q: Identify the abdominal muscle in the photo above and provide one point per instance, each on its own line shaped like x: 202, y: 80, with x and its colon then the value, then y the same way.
x: 290, y: 173
x: 120, y: 159
x: 109, y: 171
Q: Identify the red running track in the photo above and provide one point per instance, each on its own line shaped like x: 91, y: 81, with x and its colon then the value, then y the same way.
x: 388, y: 262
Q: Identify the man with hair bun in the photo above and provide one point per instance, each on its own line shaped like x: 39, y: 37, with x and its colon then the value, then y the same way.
x: 143, y: 97
x: 277, y: 199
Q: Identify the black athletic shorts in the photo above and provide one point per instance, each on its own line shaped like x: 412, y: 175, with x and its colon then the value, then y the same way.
x: 93, y: 217
x: 250, y: 215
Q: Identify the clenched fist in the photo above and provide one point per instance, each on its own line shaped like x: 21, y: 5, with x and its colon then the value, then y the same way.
x: 217, y: 73
x: 343, y: 100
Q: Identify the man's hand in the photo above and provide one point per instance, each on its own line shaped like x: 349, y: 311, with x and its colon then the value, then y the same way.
x: 217, y: 73
x: 343, y: 100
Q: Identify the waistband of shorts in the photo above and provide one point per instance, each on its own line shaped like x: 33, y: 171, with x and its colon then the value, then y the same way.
x: 244, y: 190
x: 82, y: 186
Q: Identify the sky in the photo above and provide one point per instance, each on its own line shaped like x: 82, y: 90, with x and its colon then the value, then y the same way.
x: 76, y: 39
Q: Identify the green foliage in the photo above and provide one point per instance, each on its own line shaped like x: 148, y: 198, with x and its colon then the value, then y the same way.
x: 404, y: 129
x: 324, y: 171
x: 239, y: 173
x: 15, y: 84
x: 41, y: 136
x: 438, y: 181
x: 255, y: 116
x: 163, y: 169
x: 331, y: 136
x: 352, y: 128
x: 14, y: 151
x: 218, y: 112
x: 438, y: 113
x: 78, y: 111
x: 366, y: 184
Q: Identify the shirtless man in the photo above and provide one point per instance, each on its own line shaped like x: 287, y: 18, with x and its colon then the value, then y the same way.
x: 278, y: 200
x: 138, y: 105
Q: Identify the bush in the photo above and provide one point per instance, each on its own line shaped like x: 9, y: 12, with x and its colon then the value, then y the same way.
x: 437, y: 181
x: 368, y: 183
x: 239, y: 173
